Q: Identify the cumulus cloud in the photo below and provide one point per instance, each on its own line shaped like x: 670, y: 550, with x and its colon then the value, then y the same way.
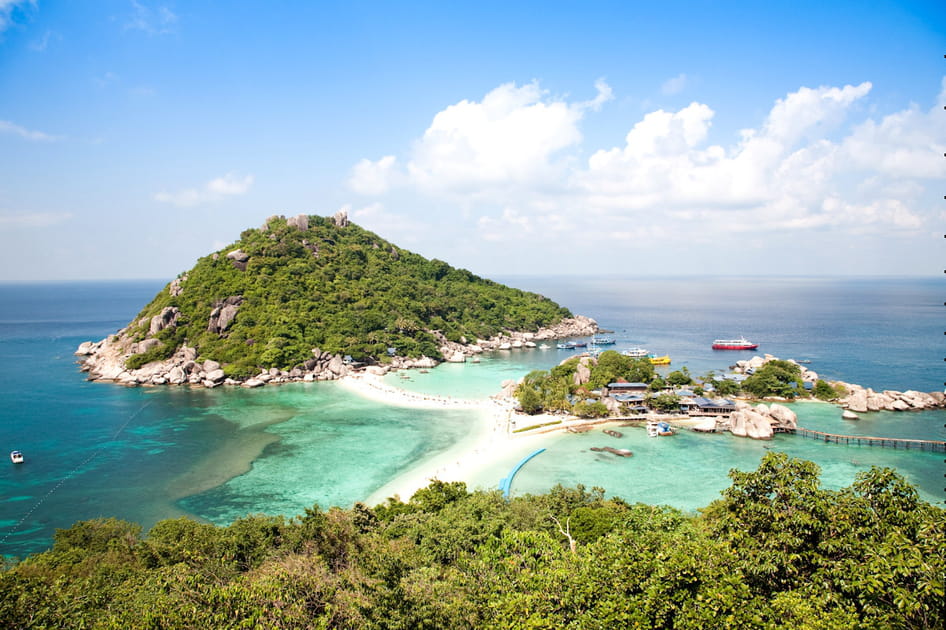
x: 514, y: 135
x: 29, y: 134
x: 217, y: 189
x: 815, y: 161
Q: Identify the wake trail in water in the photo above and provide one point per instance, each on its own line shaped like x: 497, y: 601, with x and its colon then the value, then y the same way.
x: 72, y: 473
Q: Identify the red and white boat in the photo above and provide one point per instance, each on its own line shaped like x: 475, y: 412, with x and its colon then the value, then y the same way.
x: 734, y: 344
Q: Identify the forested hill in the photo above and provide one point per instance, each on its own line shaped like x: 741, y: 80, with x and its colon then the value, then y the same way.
x: 314, y: 282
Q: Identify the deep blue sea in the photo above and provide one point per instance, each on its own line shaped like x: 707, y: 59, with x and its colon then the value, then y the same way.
x: 145, y: 454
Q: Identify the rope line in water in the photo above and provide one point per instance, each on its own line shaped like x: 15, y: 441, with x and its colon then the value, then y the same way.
x: 72, y: 473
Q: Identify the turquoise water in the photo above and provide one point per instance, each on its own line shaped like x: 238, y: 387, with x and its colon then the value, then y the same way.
x: 689, y: 469
x: 144, y: 454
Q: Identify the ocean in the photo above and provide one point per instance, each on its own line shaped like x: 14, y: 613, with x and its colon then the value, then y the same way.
x: 145, y: 454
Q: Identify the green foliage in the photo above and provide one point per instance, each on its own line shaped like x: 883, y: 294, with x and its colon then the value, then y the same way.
x: 160, y: 352
x: 665, y: 402
x: 776, y: 550
x: 823, y: 390
x: 680, y: 377
x: 775, y: 378
x: 342, y: 290
x: 726, y: 387
x: 543, y: 391
x: 613, y: 366
x: 585, y: 409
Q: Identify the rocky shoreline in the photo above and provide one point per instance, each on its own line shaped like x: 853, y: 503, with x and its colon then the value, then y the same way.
x: 105, y: 360
x: 858, y: 399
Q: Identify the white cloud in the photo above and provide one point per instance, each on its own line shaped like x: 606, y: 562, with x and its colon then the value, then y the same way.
x: 811, y: 111
x: 159, y: 20
x: 41, y: 44
x: 605, y: 94
x: 29, y: 134
x: 674, y: 85
x: 817, y: 161
x: 374, y: 178
x: 512, y: 137
x: 8, y: 8
x: 215, y: 190
x: 33, y: 219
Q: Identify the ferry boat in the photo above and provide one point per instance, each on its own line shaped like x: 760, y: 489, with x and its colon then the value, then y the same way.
x: 564, y: 346
x: 655, y: 360
x: 16, y: 457
x: 734, y: 344
x: 603, y: 341
x: 578, y: 344
x: 636, y: 353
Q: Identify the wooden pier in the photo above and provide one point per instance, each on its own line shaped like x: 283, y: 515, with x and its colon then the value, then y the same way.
x: 863, y: 440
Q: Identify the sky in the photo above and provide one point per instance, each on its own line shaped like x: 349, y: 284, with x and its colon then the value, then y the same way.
x: 508, y: 138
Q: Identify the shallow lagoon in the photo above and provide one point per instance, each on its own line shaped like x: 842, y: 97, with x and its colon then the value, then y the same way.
x: 145, y: 454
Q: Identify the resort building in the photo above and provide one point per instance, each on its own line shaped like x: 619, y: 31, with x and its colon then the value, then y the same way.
x: 700, y: 406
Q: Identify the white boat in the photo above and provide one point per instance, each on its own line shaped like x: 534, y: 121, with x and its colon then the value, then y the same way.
x: 544, y: 346
x: 652, y: 430
x: 636, y: 353
x: 16, y: 457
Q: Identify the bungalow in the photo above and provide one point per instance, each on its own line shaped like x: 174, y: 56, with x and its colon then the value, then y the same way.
x: 700, y: 406
x: 626, y: 388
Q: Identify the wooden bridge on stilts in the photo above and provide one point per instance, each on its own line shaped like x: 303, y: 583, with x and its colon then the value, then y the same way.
x: 863, y: 440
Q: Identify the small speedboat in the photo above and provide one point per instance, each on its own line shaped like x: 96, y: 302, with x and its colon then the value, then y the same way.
x: 16, y: 457
x: 564, y: 346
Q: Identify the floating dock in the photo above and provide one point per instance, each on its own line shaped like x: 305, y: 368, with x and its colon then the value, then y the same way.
x: 505, y: 484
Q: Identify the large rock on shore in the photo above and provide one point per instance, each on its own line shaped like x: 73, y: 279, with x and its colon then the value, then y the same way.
x: 761, y: 422
x: 861, y: 400
x: 857, y: 401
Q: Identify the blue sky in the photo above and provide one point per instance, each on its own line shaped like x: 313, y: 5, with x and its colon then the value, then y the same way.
x: 508, y: 138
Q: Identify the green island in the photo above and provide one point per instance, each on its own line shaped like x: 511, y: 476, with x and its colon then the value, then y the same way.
x: 268, y: 299
x: 775, y: 551
x: 575, y: 386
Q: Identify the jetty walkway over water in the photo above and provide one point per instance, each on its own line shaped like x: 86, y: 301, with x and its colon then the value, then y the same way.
x: 858, y: 440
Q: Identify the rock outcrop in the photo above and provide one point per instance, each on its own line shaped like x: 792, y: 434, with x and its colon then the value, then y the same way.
x: 863, y: 400
x: 762, y: 421
x: 858, y: 399
x: 223, y: 314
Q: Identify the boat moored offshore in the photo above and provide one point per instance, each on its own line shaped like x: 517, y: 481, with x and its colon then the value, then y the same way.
x: 734, y: 344
x: 16, y: 457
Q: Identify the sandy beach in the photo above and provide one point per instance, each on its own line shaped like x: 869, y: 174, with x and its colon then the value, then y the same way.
x: 489, y: 439
x: 498, y: 433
